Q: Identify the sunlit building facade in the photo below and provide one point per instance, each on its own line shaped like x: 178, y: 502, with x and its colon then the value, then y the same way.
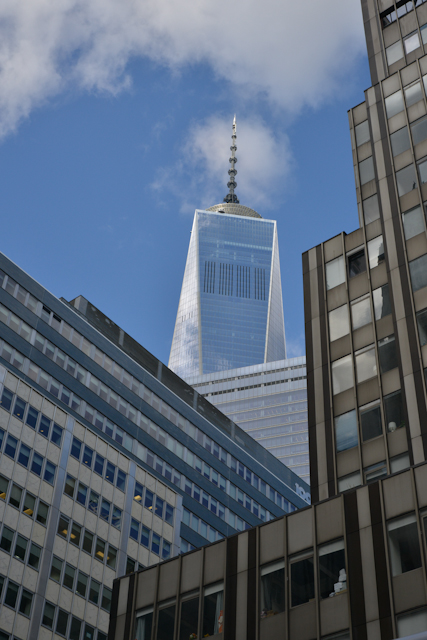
x: 230, y: 312
x: 269, y: 402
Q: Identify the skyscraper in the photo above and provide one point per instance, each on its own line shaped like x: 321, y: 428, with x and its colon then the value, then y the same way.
x: 230, y: 312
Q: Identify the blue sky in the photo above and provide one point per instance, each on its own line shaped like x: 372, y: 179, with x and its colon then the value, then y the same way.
x: 115, y: 124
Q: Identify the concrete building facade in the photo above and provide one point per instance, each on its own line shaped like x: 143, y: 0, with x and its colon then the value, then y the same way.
x: 108, y: 462
x: 269, y: 402
x: 352, y: 566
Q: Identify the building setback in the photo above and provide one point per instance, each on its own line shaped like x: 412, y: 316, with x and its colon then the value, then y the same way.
x: 108, y: 462
x: 269, y: 402
x: 354, y: 565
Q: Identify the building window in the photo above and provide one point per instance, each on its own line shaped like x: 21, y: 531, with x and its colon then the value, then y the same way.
x: 370, y: 421
x: 398, y: 463
x: 422, y: 326
x: 302, y: 578
x: 411, y: 623
x: 375, y: 471
x: 332, y: 573
x: 342, y: 374
x: 189, y: 619
x: 413, y: 94
x: 394, y: 53
x: 404, y: 546
x: 387, y: 354
x: 419, y: 130
x: 376, y: 252
x: 418, y: 271
x: 144, y: 624
x: 366, y: 170
x: 381, y: 299
x: 361, y: 312
x: 335, y: 272
x: 213, y: 610
x: 346, y: 436
x: 406, y: 180
x: 166, y: 622
x: 413, y: 222
x: 366, y: 364
x: 394, y: 104
x: 272, y: 589
x: 411, y: 42
x: 371, y: 209
x: 400, y: 141
x: 362, y: 133
x: 422, y: 168
x: 356, y: 263
x: 339, y: 325
x: 350, y: 481
x: 393, y: 410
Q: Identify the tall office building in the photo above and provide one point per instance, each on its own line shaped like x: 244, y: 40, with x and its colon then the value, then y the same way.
x: 354, y: 564
x: 230, y: 312
x: 269, y: 402
x: 108, y: 462
x: 366, y: 292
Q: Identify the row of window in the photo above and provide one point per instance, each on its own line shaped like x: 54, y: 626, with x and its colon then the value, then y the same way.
x: 354, y: 263
x: 123, y: 376
x: 149, y: 539
x: 171, y: 474
x: 371, y: 421
x: 80, y: 583
x: 373, y: 472
x: 204, y: 529
x: 87, y: 541
x: 403, y: 7
x: 93, y: 501
x: 157, y: 505
x: 148, y: 457
x: 212, y: 616
x: 102, y: 467
x: 15, y: 596
x: 33, y: 418
x: 28, y: 458
x: 365, y: 363
x: 20, y: 547
x: 68, y: 626
x: 360, y: 311
x: 23, y: 500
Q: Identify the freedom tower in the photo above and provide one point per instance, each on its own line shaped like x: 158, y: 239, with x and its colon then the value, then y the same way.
x: 230, y: 312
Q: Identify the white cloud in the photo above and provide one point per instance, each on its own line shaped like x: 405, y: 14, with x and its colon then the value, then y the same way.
x: 263, y: 161
x: 293, y: 53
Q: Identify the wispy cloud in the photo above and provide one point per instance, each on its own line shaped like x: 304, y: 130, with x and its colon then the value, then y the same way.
x: 264, y: 161
x: 291, y: 53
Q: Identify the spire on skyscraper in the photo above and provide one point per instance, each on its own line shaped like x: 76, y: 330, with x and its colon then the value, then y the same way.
x: 231, y: 196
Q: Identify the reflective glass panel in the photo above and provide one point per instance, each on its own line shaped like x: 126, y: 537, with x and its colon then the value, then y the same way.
x: 418, y: 271
x: 371, y: 209
x: 394, y: 104
x: 394, y: 53
x: 342, y: 374
x: 413, y: 94
x: 400, y: 141
x: 339, y: 325
x: 413, y: 222
x: 346, y: 431
x: 366, y: 170
x: 361, y: 312
x: 366, y: 364
x: 335, y: 272
x: 362, y: 133
x: 406, y: 180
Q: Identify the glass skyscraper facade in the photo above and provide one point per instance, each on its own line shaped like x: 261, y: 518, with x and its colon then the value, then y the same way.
x: 230, y: 313
x: 268, y: 401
